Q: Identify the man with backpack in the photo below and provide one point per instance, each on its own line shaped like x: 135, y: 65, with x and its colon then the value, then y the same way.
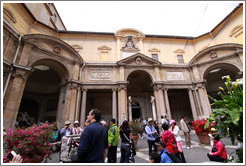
x: 164, y: 152
x: 113, y: 140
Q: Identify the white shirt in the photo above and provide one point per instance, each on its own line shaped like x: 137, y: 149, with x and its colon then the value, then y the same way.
x: 176, y: 132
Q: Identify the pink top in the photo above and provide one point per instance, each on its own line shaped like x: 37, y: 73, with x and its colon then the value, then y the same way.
x: 221, y: 150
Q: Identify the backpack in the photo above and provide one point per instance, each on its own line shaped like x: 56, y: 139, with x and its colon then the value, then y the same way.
x: 174, y: 158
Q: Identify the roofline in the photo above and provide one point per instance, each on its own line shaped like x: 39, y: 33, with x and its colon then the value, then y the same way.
x: 147, y: 35
x: 233, y: 11
x: 59, y: 16
x: 34, y: 18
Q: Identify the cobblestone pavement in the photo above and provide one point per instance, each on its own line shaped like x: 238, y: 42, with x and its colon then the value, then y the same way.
x: 198, y: 154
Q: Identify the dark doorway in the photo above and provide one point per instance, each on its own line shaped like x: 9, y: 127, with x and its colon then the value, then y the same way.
x: 179, y: 104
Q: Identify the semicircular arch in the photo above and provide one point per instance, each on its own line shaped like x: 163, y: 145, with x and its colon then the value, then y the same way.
x: 59, y: 67
x: 63, y: 44
x: 232, y: 46
x: 144, y: 71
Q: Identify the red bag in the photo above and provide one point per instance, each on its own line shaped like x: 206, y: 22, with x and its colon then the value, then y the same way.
x: 172, y: 148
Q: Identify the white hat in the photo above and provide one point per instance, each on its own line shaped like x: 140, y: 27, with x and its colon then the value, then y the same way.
x: 103, y: 122
x: 76, y: 122
x: 150, y: 119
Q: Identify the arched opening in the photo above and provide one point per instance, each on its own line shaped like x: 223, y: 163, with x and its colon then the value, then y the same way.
x: 41, y: 94
x: 213, y: 77
x: 140, y: 90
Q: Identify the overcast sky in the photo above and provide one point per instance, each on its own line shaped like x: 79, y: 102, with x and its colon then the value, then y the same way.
x: 178, y: 18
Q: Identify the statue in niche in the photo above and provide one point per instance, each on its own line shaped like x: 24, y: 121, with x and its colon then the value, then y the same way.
x: 129, y: 43
x: 152, y: 99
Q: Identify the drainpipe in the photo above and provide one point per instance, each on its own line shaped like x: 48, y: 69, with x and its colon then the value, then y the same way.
x: 78, y: 90
x: 11, y: 69
x: 194, y: 87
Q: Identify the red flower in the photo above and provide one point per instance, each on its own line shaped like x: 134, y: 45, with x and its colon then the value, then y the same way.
x: 198, y: 126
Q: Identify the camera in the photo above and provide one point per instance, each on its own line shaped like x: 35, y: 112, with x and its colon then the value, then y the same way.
x: 11, y: 155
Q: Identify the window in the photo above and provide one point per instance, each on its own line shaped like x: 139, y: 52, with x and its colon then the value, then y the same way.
x: 155, y: 57
x: 180, y: 58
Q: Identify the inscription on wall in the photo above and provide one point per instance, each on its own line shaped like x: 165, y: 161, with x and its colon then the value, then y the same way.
x: 175, y: 76
x: 100, y: 74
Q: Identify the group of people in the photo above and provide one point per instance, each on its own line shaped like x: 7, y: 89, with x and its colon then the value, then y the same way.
x: 98, y: 141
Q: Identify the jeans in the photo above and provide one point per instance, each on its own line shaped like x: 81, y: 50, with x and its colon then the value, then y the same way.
x: 112, y: 152
x: 152, y: 143
x: 215, y: 158
x: 125, y: 153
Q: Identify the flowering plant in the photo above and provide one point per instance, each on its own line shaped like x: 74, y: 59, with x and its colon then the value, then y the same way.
x: 31, y: 143
x: 198, y: 126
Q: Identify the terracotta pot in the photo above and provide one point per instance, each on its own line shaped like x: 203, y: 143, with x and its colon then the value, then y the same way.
x: 203, y: 137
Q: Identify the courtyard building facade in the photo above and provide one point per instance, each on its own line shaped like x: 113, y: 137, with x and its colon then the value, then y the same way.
x: 53, y: 74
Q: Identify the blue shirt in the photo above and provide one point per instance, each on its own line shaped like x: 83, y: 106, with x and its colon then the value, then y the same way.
x: 93, y: 142
x: 150, y: 132
x: 164, y: 157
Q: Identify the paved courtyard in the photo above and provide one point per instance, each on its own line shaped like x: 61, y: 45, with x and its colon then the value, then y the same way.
x: 198, y: 154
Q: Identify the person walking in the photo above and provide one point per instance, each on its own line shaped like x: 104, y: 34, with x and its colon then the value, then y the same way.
x: 93, y: 144
x: 163, y: 152
x: 76, y: 130
x: 151, y: 135
x: 113, y: 140
x: 185, y: 128
x: 66, y: 130
x: 218, y: 152
x: 175, y: 130
x: 125, y: 134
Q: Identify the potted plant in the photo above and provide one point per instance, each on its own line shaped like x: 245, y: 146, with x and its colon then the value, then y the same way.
x: 31, y: 143
x: 201, y: 132
x: 135, y: 129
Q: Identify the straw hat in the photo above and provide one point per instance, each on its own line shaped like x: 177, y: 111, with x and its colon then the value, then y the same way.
x: 150, y: 119
x: 67, y: 122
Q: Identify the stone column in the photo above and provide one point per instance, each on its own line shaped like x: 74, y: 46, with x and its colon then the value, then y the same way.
x: 60, y: 108
x: 77, y: 104
x: 130, y: 108
x: 114, y: 104
x: 159, y: 98
x: 192, y: 104
x: 70, y: 103
x: 83, y: 108
x: 167, y: 104
x: 152, y: 100
x: 122, y: 102
x: 15, y: 95
x: 205, y: 102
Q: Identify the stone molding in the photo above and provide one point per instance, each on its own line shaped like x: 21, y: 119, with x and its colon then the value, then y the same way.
x: 154, y: 50
x: 179, y: 51
x: 237, y: 30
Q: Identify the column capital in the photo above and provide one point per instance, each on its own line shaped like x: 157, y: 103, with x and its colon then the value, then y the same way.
x: 157, y: 87
x: 84, y: 89
x: 114, y: 89
x: 20, y: 74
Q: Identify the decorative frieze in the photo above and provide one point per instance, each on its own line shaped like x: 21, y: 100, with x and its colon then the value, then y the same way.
x: 213, y: 54
x: 100, y: 74
x: 175, y: 76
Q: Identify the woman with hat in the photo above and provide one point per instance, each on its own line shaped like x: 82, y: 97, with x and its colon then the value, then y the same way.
x: 175, y: 130
x: 76, y: 130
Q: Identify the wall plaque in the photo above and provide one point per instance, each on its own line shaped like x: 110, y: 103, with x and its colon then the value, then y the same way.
x: 100, y: 74
x: 175, y: 76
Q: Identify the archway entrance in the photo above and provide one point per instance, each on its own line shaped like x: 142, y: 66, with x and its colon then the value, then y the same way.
x: 140, y: 90
x: 41, y: 94
x: 213, y: 77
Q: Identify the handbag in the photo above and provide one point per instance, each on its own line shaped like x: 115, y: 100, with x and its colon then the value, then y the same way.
x: 214, y: 148
x: 132, y: 148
